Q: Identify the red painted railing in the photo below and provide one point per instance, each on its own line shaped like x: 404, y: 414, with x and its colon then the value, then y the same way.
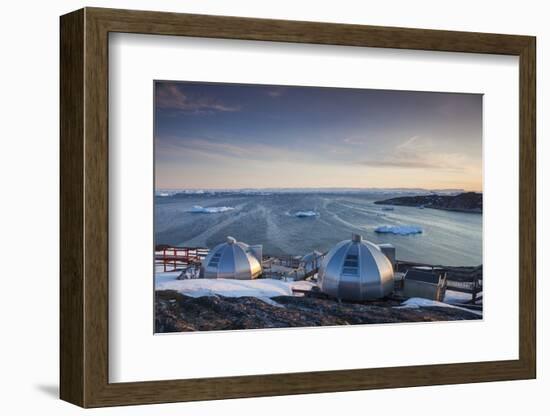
x: 176, y: 258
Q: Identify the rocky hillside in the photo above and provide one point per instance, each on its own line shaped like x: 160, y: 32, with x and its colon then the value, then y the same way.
x: 465, y: 202
x: 176, y: 312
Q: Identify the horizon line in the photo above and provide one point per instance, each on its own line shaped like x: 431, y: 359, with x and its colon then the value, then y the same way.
x: 312, y: 188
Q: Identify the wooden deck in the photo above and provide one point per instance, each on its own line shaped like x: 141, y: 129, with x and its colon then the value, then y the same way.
x: 459, y: 279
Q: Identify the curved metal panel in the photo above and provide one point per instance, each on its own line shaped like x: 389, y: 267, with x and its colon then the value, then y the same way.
x: 356, y: 270
x: 231, y: 260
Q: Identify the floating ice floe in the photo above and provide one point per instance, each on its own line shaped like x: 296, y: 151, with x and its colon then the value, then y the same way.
x: 197, y: 209
x: 165, y: 192
x: 399, y: 229
x: 192, y: 191
x: 303, y: 214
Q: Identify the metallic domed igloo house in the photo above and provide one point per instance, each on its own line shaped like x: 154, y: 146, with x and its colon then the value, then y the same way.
x: 356, y: 270
x: 232, y: 260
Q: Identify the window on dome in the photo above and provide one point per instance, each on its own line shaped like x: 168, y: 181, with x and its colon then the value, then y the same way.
x: 215, y: 259
x: 351, y: 265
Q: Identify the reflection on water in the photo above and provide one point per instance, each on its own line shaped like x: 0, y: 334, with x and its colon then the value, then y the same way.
x: 449, y: 238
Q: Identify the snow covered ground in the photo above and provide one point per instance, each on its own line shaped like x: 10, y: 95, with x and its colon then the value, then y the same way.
x: 457, y: 297
x: 263, y: 289
x: 423, y: 303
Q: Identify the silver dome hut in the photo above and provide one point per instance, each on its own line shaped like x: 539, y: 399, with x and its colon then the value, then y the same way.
x: 232, y: 260
x: 356, y: 270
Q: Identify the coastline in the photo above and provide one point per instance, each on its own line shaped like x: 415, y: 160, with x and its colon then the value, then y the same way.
x: 467, y: 202
x: 466, y: 211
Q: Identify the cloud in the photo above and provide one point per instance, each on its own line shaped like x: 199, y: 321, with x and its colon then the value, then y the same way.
x: 355, y: 140
x: 418, y: 153
x: 408, y: 144
x: 171, y: 96
x: 399, y: 163
x: 233, y: 149
x: 217, y: 149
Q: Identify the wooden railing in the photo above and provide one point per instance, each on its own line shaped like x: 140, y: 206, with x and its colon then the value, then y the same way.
x: 177, y: 258
x: 459, y: 279
x: 474, y: 287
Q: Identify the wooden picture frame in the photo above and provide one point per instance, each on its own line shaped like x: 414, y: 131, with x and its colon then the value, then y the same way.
x: 84, y: 207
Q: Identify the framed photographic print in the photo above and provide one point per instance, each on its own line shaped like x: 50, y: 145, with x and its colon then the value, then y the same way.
x: 257, y: 207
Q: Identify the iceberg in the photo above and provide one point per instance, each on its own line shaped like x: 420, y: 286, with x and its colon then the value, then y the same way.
x: 165, y: 192
x: 399, y: 229
x: 197, y: 209
x: 303, y: 214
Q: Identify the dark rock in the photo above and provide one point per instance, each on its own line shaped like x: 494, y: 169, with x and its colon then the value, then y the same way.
x: 465, y: 202
x: 176, y: 313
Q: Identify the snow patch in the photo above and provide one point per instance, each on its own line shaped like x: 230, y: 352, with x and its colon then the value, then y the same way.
x: 452, y: 296
x: 303, y: 285
x: 426, y: 303
x: 197, y: 209
x: 263, y: 289
x: 164, y: 277
x: 399, y: 229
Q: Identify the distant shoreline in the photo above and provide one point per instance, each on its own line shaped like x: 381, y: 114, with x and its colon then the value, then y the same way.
x: 409, y: 191
x: 468, y: 202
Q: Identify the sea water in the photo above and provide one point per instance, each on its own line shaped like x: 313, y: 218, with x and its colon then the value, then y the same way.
x: 277, y: 221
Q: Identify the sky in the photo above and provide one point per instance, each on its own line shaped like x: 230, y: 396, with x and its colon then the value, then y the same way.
x: 233, y: 136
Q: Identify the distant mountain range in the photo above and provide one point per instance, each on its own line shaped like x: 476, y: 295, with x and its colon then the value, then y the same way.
x: 463, y: 202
